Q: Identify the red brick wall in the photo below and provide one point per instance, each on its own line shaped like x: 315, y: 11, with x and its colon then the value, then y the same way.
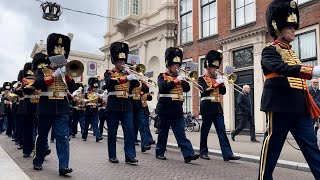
x: 309, y: 15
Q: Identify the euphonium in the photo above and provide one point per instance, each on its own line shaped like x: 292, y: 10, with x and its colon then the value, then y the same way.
x: 74, y: 68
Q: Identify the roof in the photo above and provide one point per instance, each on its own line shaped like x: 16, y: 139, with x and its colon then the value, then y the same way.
x: 42, y: 47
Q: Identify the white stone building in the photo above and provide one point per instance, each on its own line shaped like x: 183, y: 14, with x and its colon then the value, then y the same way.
x: 148, y: 26
x: 85, y: 58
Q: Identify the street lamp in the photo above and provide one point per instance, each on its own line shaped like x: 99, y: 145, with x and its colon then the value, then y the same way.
x: 51, y: 11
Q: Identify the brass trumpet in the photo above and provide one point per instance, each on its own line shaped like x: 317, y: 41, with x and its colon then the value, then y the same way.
x: 140, y: 69
x: 192, y: 76
x: 231, y: 79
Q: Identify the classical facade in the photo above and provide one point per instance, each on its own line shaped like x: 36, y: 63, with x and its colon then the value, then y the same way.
x: 239, y: 29
x: 149, y: 27
x: 87, y: 59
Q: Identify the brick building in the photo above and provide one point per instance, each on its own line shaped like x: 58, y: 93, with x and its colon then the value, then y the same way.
x: 238, y: 28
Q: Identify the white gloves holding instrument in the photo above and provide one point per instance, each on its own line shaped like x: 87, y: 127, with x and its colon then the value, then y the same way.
x: 316, y: 71
x: 59, y: 71
x: 220, y: 80
x: 181, y: 77
x: 131, y: 77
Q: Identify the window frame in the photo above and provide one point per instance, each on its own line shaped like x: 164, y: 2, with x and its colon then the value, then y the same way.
x: 234, y: 16
x: 299, y: 47
x: 297, y: 1
x: 185, y: 94
x: 201, y: 6
x: 180, y: 23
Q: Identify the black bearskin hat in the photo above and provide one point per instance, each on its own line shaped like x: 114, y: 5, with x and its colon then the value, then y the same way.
x: 119, y: 52
x: 58, y: 44
x: 20, y: 76
x: 173, y: 55
x: 39, y: 59
x: 93, y: 82
x: 213, y: 59
x: 6, y: 85
x: 27, y: 69
x: 281, y: 14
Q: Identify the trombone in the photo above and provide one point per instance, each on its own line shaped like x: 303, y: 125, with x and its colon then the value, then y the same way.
x: 192, y: 76
x: 140, y: 69
x: 230, y: 78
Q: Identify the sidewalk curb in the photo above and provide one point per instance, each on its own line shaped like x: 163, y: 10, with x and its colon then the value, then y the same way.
x: 245, y: 157
x: 9, y: 168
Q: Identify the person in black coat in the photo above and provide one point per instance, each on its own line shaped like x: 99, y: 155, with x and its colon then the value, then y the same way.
x: 244, y: 104
x: 211, y: 109
x: 315, y: 93
x: 286, y: 100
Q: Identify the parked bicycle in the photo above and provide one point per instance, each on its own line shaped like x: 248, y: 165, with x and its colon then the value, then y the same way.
x: 191, y: 122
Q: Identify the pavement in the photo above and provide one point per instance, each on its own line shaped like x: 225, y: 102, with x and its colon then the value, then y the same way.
x: 89, y: 160
x: 242, y: 146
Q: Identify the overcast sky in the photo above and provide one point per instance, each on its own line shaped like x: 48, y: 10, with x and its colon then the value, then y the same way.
x: 21, y: 26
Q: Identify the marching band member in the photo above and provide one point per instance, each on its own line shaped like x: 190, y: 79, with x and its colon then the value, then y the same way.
x: 285, y: 98
x: 119, y: 107
x: 53, y: 104
x: 30, y: 104
x: 171, y: 86
x: 210, y: 107
x: 91, y: 113
x: 102, y: 109
x: 78, y: 110
x: 8, y: 117
x: 138, y: 114
x: 17, y: 114
x: 144, y: 98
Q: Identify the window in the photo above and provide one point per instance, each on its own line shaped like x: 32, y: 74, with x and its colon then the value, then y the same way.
x: 305, y: 47
x: 186, y: 21
x: 123, y: 8
x: 135, y: 7
x: 301, y: 1
x: 187, y: 103
x: 243, y: 58
x: 209, y: 17
x: 245, y: 12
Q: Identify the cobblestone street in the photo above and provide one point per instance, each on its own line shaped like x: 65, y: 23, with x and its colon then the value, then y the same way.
x: 89, y: 160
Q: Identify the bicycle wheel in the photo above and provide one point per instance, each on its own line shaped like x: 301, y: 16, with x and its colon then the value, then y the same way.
x: 196, y: 123
x: 189, y: 126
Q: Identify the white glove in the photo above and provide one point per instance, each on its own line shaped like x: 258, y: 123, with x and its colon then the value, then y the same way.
x: 132, y: 77
x: 127, y: 69
x: 220, y: 80
x: 316, y: 71
x: 57, y: 73
x: 63, y: 69
x: 181, y: 77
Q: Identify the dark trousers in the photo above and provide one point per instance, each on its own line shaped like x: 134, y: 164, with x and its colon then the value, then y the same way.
x: 138, y: 124
x: 93, y: 120
x: 243, y: 124
x: 9, y: 124
x: 1, y: 125
x: 28, y: 126
x: 127, y: 125
x: 177, y: 125
x: 61, y: 132
x: 218, y: 122
x: 77, y: 117
x: 20, y: 128
x: 147, y: 128
x: 102, y: 119
x: 278, y: 126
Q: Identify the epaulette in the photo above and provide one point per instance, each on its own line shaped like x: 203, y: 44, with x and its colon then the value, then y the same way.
x: 269, y: 44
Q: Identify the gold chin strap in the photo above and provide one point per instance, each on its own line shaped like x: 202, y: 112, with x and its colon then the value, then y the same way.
x: 275, y: 27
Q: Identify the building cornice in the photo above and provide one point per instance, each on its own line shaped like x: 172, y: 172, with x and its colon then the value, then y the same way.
x: 242, y: 35
x: 42, y: 48
x: 165, y: 24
